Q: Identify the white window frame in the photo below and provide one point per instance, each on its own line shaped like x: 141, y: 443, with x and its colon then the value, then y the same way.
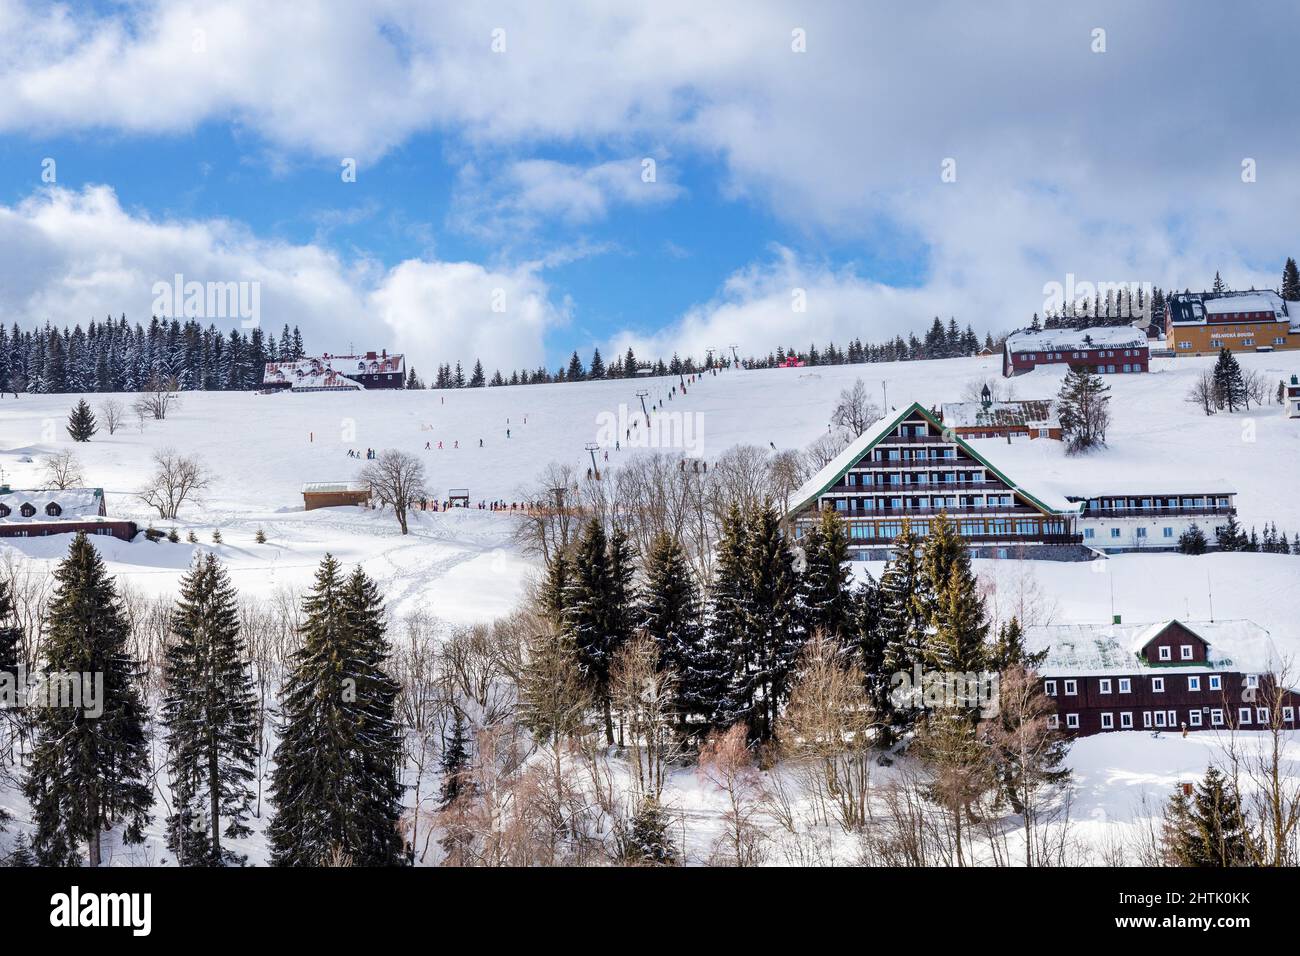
x: 1244, y: 716
x: 1252, y: 681
x: 1165, y: 652
x: 1049, y: 688
x: 1216, y: 717
x: 1146, y: 719
x: 1194, y: 683
x: 1261, y: 716
x: 1126, y: 720
x: 1194, y: 717
x: 1125, y: 685
x: 1185, y: 652
x: 1107, y: 721
x: 1157, y: 685
x: 1072, y: 721
x: 1103, y: 685
x: 1053, y: 721
x: 1288, y: 715
x: 1160, y: 719
x: 1071, y: 688
x: 1216, y: 682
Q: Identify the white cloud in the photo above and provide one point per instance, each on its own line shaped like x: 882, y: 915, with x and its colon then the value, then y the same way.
x: 75, y: 256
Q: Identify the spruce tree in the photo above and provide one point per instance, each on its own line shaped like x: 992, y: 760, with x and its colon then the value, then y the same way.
x: 1290, y: 281
x: 1083, y: 407
x: 825, y: 593
x: 671, y: 614
x: 772, y: 635
x: 1193, y: 541
x: 1229, y: 383
x: 454, y: 764
x: 1217, y: 834
x: 81, y: 423
x: 336, y: 783
x: 902, y: 621
x: 90, y: 766
x: 1229, y: 536
x: 208, y: 710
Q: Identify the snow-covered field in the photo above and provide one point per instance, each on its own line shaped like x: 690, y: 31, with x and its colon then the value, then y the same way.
x: 463, y: 566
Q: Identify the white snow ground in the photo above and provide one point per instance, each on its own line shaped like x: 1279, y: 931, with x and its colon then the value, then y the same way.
x: 462, y: 566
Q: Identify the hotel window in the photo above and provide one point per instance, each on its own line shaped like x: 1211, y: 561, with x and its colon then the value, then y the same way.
x: 1288, y: 714
x: 1243, y: 715
x: 1247, y: 341
x: 1142, y: 532
x: 1103, y: 686
x: 1261, y: 715
x: 1252, y: 680
x: 1160, y: 718
x: 1114, y: 532
x: 1146, y: 719
x: 1157, y: 685
x: 1071, y: 688
x: 1125, y: 685
x: 1193, y: 683
x: 1088, y: 533
x: 1072, y: 721
x: 1185, y: 652
x: 1168, y: 532
x: 1126, y: 720
x: 1053, y: 721
x: 1049, y: 688
x: 1279, y: 341
x: 1216, y: 718
x: 1107, y: 721
x: 969, y: 528
x: 1216, y: 343
x: 1166, y: 653
x: 1194, y: 717
x: 1216, y: 682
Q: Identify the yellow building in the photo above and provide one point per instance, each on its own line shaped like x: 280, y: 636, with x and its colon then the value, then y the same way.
x: 1202, y: 323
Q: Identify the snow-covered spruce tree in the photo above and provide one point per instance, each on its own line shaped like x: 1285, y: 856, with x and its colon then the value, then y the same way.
x: 772, y: 636
x: 647, y: 840
x: 208, y: 711
x: 81, y: 423
x: 1083, y: 405
x: 454, y: 764
x: 1229, y: 536
x: 88, y: 773
x: 825, y: 593
x: 552, y: 592
x: 725, y: 611
x: 670, y: 613
x: 335, y: 786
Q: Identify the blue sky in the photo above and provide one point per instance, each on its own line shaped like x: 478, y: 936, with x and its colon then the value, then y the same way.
x: 797, y: 149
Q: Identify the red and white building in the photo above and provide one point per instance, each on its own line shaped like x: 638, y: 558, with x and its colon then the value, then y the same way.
x: 34, y: 514
x: 334, y: 373
x: 1106, y: 350
x: 1169, y: 675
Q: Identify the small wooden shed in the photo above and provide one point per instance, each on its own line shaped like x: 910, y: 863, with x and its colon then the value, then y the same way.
x: 334, y: 494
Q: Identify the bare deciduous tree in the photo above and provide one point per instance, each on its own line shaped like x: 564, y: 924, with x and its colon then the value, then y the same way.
x: 62, y: 470
x: 176, y: 479
x: 855, y: 412
x: 111, y: 413
x: 726, y: 762
x: 157, y: 399
x: 396, y: 479
x: 1203, y: 392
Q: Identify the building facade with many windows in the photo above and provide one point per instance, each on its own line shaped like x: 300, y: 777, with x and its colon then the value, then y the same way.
x: 1128, y: 517
x: 1203, y: 323
x: 1170, y: 675
x: 909, y: 467
x: 1106, y: 350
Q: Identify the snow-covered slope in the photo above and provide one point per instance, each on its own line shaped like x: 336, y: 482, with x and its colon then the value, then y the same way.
x: 463, y: 566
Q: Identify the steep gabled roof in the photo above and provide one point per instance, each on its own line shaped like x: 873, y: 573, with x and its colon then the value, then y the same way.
x: 816, y: 486
x: 1150, y: 633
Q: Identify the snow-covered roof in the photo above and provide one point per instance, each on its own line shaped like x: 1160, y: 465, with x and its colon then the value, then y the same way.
x: 334, y: 487
x: 1083, y: 650
x: 1040, y: 412
x: 1148, y: 488
x: 74, y: 504
x: 1065, y: 340
x: 1251, y: 302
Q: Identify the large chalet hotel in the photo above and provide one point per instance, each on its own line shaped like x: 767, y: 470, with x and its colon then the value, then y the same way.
x: 908, y: 466
x: 1203, y: 323
x: 912, y: 466
x: 1169, y: 675
x: 337, y: 373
